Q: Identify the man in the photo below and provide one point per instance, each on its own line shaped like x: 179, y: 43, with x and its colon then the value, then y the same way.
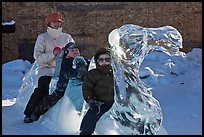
x: 98, y: 91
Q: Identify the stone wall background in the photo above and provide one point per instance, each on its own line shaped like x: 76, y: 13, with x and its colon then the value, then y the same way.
x: 90, y: 23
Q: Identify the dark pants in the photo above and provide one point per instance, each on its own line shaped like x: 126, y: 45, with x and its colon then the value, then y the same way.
x: 41, y: 91
x: 47, y: 102
x: 89, y: 121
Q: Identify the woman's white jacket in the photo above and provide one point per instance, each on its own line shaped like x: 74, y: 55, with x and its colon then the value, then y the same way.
x: 43, y: 51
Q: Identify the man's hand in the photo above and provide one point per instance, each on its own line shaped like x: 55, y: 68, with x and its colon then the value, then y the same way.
x: 94, y: 105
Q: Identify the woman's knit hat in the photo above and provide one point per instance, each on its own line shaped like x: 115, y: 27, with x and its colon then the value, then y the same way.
x: 54, y: 16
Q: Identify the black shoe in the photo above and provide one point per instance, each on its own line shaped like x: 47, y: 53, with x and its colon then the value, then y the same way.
x: 28, y: 119
x: 85, y: 133
x: 34, y: 116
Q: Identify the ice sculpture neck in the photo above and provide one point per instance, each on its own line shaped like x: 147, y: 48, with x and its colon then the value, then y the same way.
x: 135, y: 108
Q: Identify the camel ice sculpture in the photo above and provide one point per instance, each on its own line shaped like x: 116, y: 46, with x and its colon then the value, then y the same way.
x: 135, y: 110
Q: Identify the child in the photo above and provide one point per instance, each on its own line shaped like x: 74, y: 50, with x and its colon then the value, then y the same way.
x: 67, y: 71
x: 98, y: 91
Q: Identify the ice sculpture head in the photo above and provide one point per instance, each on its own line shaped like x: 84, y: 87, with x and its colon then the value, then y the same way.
x: 131, y: 42
x: 114, y: 41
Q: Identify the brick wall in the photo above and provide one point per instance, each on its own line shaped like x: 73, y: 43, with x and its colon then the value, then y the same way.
x: 90, y: 22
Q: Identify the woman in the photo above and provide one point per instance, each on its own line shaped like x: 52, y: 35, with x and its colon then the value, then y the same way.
x: 44, y: 54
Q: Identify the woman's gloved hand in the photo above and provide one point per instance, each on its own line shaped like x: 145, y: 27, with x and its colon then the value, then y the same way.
x: 57, y: 50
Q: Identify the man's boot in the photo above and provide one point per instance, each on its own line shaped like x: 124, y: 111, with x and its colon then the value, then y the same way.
x: 34, y: 116
x: 28, y: 119
x: 84, y: 133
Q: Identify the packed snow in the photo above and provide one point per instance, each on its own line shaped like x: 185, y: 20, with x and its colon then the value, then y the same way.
x: 176, y: 82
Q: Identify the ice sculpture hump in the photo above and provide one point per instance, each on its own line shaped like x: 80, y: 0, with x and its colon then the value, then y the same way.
x: 135, y: 108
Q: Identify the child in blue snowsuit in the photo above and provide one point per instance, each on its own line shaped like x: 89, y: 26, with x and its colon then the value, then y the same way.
x: 66, y: 72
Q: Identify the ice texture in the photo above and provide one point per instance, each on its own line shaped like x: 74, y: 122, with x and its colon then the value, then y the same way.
x: 135, y: 110
x: 30, y: 81
x: 55, y: 77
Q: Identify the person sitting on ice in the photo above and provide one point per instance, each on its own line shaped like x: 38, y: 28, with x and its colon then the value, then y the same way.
x: 43, y: 55
x: 98, y: 91
x: 67, y: 71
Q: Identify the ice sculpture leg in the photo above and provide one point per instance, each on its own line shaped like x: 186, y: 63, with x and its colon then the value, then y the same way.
x: 64, y: 117
x: 30, y: 81
x: 68, y: 112
x: 135, y: 110
x: 74, y: 93
x: 55, y: 77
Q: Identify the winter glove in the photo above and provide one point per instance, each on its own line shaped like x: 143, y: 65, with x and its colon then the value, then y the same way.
x: 80, y: 64
x: 94, y: 105
x: 57, y: 50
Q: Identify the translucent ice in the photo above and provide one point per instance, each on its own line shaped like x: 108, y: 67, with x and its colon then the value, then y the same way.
x: 55, y: 77
x: 135, y: 110
x: 29, y: 84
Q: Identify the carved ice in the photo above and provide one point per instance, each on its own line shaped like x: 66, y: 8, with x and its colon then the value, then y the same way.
x: 135, y: 110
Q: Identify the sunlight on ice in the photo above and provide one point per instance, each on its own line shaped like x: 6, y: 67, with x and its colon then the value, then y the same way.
x: 135, y: 110
x: 133, y: 99
x: 8, y: 102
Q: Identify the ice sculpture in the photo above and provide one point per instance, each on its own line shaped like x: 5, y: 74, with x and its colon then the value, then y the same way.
x: 55, y: 77
x: 29, y: 83
x: 135, y: 110
x: 74, y: 87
